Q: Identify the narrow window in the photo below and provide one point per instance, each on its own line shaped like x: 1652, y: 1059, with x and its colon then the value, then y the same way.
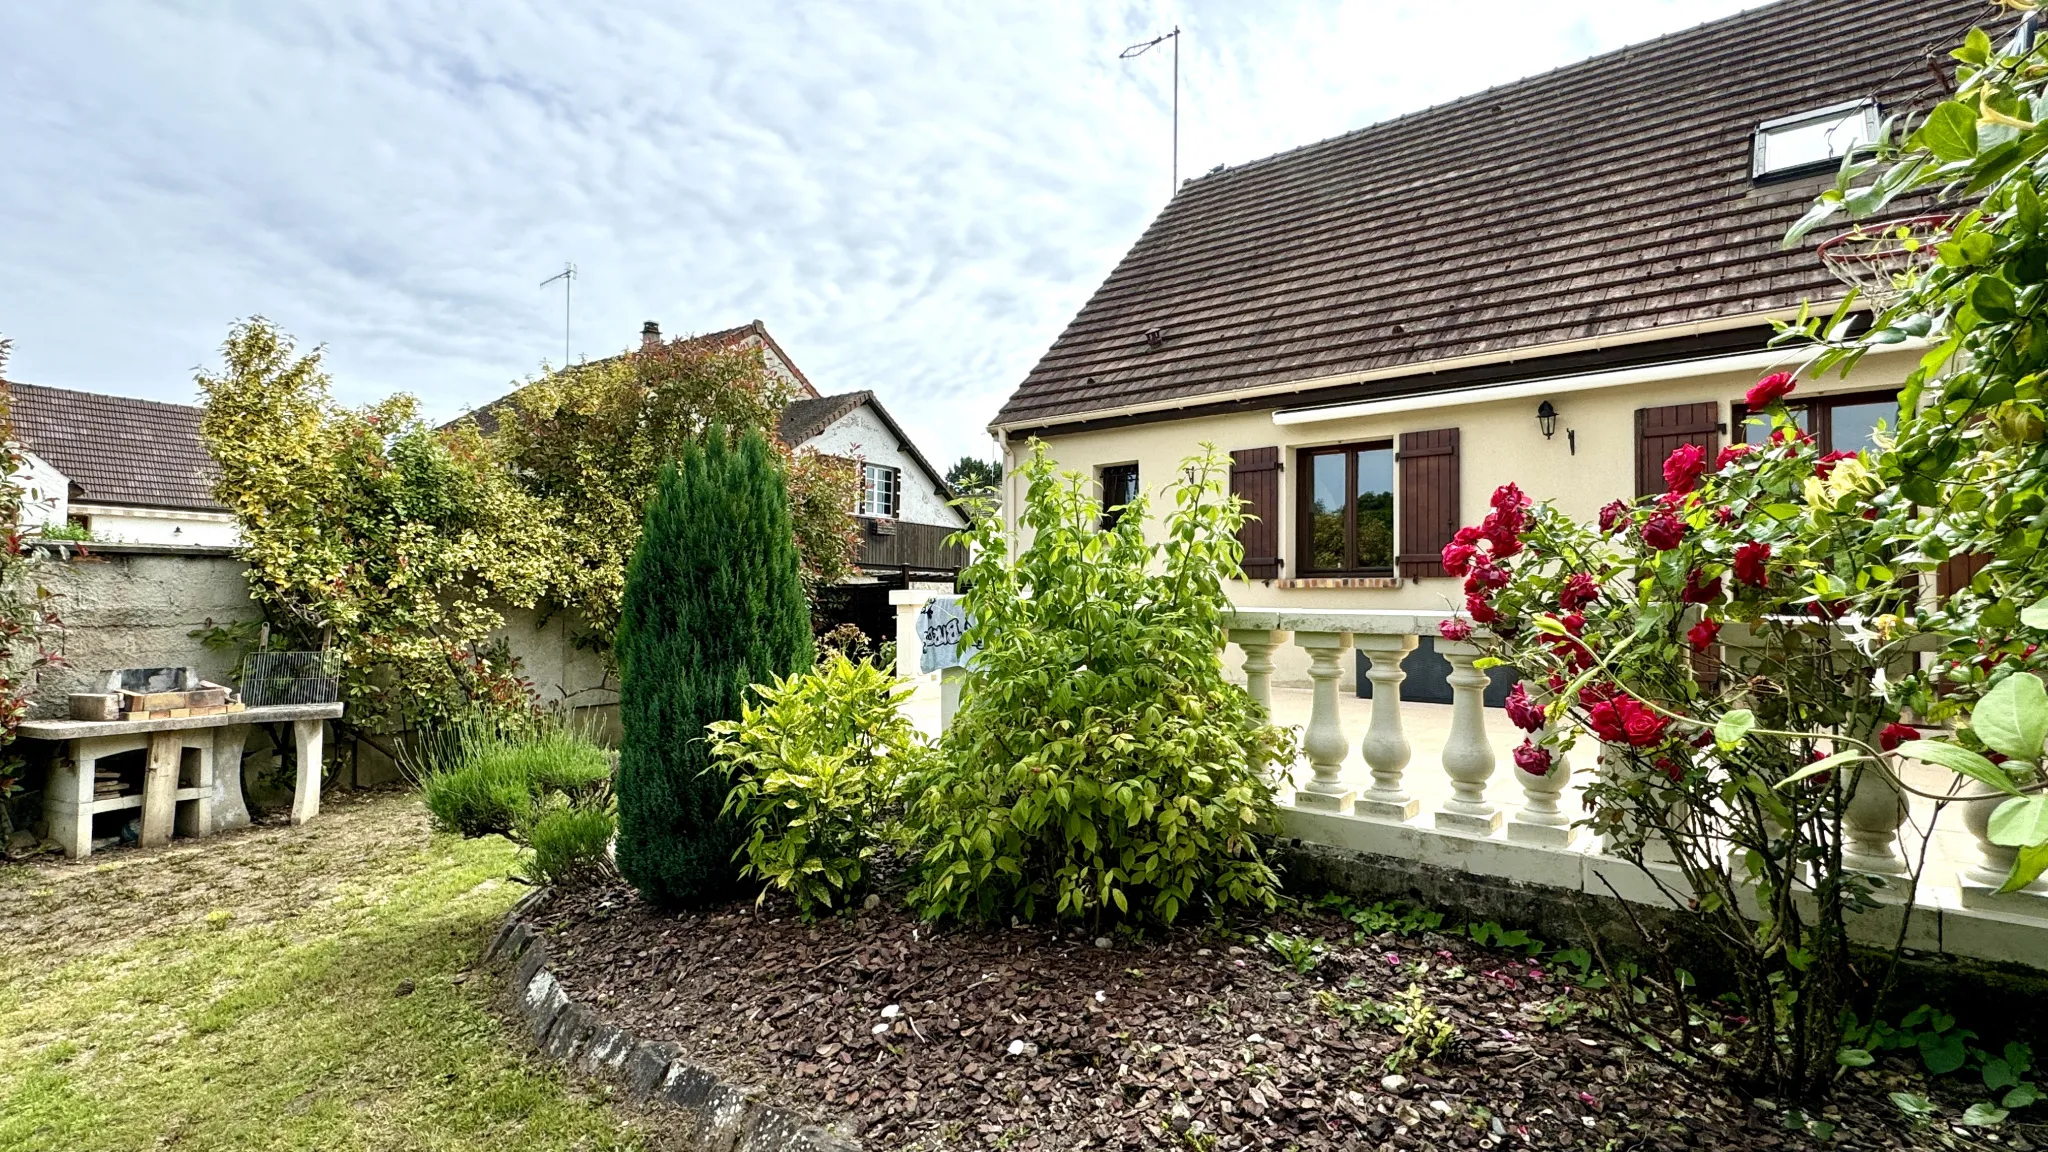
x: 1119, y: 489
x: 880, y: 490
x: 1347, y: 509
x: 1812, y: 140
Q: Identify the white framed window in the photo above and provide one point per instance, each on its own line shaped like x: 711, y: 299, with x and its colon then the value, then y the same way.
x: 881, y: 491
x: 1813, y: 139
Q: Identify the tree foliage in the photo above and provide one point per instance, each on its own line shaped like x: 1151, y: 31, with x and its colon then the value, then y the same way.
x: 587, y: 442
x: 1100, y: 766
x: 372, y: 535
x: 30, y: 629
x: 713, y: 603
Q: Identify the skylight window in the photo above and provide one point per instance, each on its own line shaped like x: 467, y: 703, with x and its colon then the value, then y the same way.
x: 1811, y: 140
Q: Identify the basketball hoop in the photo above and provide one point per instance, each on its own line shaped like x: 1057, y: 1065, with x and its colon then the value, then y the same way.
x: 1879, y: 260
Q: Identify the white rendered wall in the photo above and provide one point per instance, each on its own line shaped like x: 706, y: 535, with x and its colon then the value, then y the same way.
x: 160, y: 526
x: 861, y: 434
x: 45, y: 492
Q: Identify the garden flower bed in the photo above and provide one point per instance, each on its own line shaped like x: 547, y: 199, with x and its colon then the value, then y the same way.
x: 924, y: 1037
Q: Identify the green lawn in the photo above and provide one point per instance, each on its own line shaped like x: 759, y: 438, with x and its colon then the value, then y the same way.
x: 275, y: 988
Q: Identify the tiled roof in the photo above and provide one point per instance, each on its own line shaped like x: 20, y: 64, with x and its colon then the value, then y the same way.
x: 805, y: 418
x: 1603, y: 199
x: 486, y: 417
x: 117, y: 449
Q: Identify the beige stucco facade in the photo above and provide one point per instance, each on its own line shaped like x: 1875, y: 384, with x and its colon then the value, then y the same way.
x: 1500, y: 441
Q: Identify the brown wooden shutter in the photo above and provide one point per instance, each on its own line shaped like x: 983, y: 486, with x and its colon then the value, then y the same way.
x: 1659, y: 432
x: 1426, y: 497
x: 1255, y: 479
x: 1957, y: 571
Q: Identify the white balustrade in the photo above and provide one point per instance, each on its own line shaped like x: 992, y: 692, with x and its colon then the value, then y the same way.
x: 1468, y: 756
x: 1871, y: 819
x: 1542, y: 820
x: 1258, y: 645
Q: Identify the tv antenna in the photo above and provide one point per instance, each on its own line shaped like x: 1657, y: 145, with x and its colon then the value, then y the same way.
x: 1140, y: 49
x: 568, y: 278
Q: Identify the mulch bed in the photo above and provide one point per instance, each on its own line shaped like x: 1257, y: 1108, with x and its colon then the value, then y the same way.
x: 1026, y: 1038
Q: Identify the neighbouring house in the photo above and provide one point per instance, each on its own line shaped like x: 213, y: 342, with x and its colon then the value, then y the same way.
x: 1554, y: 282
x: 904, y: 508
x: 125, y: 470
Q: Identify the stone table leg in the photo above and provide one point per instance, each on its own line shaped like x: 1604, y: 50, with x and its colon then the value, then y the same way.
x: 67, y: 799
x: 306, y: 795
x: 229, y: 809
x: 160, y: 788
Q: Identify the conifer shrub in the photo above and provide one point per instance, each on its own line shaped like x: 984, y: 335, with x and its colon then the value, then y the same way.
x: 714, y: 602
x: 1101, y: 767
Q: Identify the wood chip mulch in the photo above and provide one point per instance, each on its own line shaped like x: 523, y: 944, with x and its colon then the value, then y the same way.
x: 925, y: 1037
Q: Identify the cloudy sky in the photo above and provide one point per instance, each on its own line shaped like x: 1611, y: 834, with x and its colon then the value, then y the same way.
x: 915, y: 196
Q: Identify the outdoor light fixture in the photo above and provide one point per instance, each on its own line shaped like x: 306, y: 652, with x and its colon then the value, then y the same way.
x: 1546, y: 419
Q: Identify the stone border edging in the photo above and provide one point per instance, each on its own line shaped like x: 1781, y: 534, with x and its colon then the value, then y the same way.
x: 724, y: 1117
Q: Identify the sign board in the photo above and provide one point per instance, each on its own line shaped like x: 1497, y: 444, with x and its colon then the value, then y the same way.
x: 940, y: 625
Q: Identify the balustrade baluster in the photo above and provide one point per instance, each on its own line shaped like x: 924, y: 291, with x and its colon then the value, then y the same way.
x: 1385, y: 746
x: 1468, y: 757
x: 1258, y: 645
x: 1541, y: 819
x: 1324, y: 742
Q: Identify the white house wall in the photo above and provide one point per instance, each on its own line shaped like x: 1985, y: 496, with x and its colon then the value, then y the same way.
x: 45, y: 492
x: 1499, y: 442
x: 862, y: 434
x: 160, y: 526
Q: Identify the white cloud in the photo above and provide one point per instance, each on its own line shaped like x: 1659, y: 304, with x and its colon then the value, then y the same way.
x: 914, y: 196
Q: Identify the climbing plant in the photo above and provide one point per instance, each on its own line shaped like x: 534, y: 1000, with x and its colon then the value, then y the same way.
x: 31, y: 632
x: 587, y: 442
x: 368, y: 533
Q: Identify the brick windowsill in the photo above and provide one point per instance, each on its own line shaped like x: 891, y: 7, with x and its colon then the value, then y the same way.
x: 1353, y: 582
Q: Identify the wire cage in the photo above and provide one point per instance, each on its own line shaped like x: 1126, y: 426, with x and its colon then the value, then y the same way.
x: 1880, y: 260
x: 272, y: 678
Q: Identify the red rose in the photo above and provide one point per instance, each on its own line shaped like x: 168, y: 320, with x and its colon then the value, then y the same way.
x: 1480, y: 611
x: 1701, y: 635
x: 1522, y: 712
x: 1724, y: 515
x: 1457, y: 630
x: 1608, y: 722
x: 1457, y: 558
x: 1556, y: 682
x: 1768, y: 391
x: 1684, y: 467
x: 1593, y: 694
x: 1780, y: 436
x: 1644, y: 727
x: 1826, y: 464
x: 1828, y: 609
x: 1468, y: 535
x: 1895, y: 734
x: 1731, y: 454
x: 1504, y: 531
x: 1671, y: 768
x: 1700, y: 593
x: 1509, y: 499
x: 1580, y: 589
x: 1485, y: 576
x: 1612, y: 514
x: 1532, y: 759
x: 1751, y: 563
x: 1663, y: 531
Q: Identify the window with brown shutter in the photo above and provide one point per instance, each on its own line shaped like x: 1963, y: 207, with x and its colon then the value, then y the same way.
x: 1956, y: 572
x: 1255, y: 479
x: 1660, y: 432
x: 1426, y: 489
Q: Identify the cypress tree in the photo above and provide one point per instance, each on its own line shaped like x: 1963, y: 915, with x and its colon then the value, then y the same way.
x: 713, y: 604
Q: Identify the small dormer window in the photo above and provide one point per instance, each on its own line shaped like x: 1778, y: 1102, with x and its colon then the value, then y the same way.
x: 1813, y: 140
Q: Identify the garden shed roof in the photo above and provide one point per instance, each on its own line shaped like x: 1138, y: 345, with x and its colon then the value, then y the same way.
x: 117, y: 449
x: 1599, y: 201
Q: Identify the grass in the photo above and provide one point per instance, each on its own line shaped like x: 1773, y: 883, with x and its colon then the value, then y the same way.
x: 276, y: 989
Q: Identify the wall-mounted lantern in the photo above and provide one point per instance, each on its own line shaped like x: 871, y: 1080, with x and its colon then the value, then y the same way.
x: 1546, y: 419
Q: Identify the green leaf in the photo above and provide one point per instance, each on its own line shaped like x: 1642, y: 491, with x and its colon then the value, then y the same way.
x: 2021, y: 823
x: 1943, y: 1052
x: 1826, y: 764
x: 1854, y: 1058
x: 1976, y: 48
x: 1998, y: 1074
x: 1985, y: 1115
x: 1913, y: 1104
x: 2020, y: 1097
x: 1781, y: 511
x: 2013, y: 717
x: 1950, y: 132
x: 1730, y: 729
x: 2035, y: 615
x: 1960, y: 760
x: 2026, y: 868
x: 1993, y: 299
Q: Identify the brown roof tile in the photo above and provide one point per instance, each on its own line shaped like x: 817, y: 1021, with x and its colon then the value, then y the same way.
x: 117, y: 449
x: 1610, y: 197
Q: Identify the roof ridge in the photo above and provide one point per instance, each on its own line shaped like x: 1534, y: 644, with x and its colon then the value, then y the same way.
x: 11, y: 384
